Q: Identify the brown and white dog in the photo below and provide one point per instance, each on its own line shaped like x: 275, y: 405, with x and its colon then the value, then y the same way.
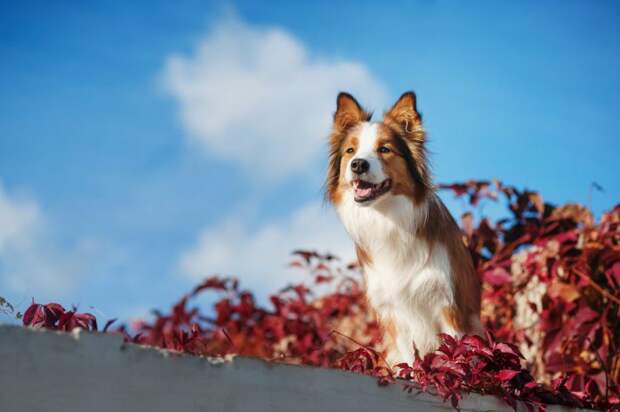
x: 420, y: 279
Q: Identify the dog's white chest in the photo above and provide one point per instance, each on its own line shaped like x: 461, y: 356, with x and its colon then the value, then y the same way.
x: 408, y: 284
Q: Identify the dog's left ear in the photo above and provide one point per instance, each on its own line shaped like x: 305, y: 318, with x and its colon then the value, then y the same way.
x: 405, y: 113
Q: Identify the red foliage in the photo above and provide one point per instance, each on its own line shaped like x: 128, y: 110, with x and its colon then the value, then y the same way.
x: 551, y: 286
x: 55, y: 316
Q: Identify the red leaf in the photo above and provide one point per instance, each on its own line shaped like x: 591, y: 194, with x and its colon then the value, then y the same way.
x: 497, y: 276
x: 584, y: 315
x: 30, y: 313
x: 507, y: 374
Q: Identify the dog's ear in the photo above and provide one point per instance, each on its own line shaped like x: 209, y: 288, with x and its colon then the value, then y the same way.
x: 348, y: 112
x: 404, y: 118
x: 405, y: 113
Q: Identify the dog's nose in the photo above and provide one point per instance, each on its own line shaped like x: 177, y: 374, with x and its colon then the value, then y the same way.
x: 359, y: 166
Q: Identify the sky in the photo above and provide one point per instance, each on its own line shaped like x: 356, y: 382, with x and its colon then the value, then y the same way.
x: 145, y: 146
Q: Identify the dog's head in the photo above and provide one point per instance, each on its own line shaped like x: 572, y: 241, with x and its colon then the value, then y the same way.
x: 374, y: 160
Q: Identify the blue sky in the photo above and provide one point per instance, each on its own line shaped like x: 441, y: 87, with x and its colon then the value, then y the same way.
x: 145, y: 145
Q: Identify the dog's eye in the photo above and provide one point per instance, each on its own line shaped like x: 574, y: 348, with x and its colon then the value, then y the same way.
x: 384, y: 149
x: 350, y: 150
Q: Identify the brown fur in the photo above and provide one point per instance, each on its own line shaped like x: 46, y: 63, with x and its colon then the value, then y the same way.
x: 405, y: 123
x: 388, y: 327
x: 401, y: 165
x: 362, y: 256
x: 441, y: 227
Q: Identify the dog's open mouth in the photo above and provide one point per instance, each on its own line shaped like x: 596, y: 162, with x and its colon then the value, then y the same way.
x: 365, y: 191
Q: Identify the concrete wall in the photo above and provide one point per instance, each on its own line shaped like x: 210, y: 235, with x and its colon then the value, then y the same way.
x: 62, y: 372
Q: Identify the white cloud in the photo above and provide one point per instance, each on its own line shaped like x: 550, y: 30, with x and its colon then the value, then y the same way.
x: 260, y: 258
x: 255, y: 96
x: 18, y: 218
x: 30, y: 264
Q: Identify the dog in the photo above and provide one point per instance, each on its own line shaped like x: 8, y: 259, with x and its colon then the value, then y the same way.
x: 419, y: 275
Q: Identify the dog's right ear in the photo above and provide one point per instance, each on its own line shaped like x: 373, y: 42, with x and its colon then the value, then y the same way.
x: 405, y: 113
x: 348, y: 112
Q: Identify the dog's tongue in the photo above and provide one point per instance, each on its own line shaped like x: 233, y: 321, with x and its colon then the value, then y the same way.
x: 363, y: 191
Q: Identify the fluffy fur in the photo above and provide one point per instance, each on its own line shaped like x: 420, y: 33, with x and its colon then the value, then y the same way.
x: 419, y: 275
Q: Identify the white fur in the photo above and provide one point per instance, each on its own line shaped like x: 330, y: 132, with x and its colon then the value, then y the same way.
x: 366, y: 149
x: 407, y: 282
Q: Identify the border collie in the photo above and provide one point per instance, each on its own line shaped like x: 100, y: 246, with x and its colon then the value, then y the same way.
x: 420, y: 278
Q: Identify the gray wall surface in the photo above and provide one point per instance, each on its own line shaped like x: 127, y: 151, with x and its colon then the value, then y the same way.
x: 66, y: 372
